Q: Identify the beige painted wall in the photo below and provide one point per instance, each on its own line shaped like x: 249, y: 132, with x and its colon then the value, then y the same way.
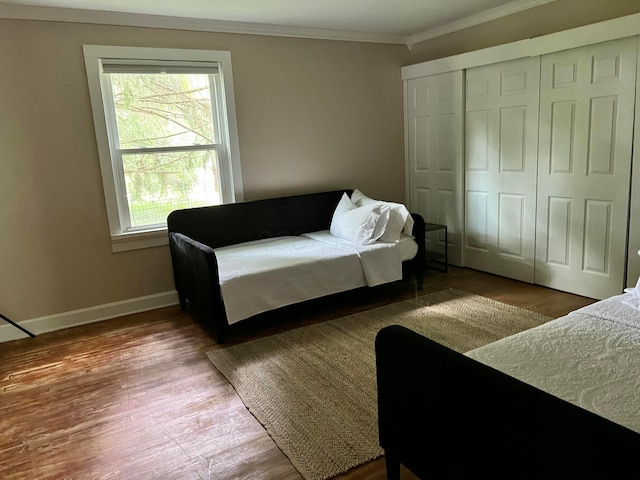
x: 549, y: 18
x: 312, y: 115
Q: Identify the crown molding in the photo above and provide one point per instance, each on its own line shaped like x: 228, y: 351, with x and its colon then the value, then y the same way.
x: 607, y: 30
x: 51, y: 14
x: 477, y: 19
x: 97, y: 17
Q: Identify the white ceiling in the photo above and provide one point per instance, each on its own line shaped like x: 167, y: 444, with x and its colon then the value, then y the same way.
x: 405, y: 20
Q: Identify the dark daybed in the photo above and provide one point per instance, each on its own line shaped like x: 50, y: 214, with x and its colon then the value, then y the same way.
x: 194, y: 234
x: 560, y: 401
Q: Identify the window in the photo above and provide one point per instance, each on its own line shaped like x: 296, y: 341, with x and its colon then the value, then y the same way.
x: 167, y: 136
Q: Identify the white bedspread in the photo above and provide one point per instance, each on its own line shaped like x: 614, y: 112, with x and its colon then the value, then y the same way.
x: 381, y: 262
x: 590, y: 358
x: 263, y: 275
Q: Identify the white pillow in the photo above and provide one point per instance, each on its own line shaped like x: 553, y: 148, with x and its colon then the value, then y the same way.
x: 400, y: 220
x: 362, y: 225
x: 344, y: 205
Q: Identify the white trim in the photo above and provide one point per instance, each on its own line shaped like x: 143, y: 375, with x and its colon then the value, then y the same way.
x: 617, y: 28
x: 103, y: 114
x: 135, y: 240
x: 231, y: 130
x: 54, y: 14
x: 633, y: 235
x: 477, y: 19
x: 74, y: 318
x: 407, y: 164
x: 51, y: 14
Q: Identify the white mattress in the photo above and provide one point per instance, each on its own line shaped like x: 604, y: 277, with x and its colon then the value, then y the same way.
x: 263, y: 275
x: 590, y: 358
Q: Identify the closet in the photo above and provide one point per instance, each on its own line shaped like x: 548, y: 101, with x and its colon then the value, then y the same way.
x: 528, y: 161
x: 587, y: 99
x: 501, y: 167
x: 435, y: 156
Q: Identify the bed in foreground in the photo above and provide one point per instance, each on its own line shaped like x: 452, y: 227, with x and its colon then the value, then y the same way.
x: 561, y: 400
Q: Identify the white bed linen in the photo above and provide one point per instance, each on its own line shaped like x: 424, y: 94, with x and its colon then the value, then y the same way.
x: 407, y: 246
x: 263, y: 275
x: 381, y: 261
x: 590, y: 358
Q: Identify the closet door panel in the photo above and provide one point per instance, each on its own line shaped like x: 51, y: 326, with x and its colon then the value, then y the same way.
x: 511, y: 225
x: 513, y: 131
x: 435, y: 160
x: 559, y: 222
x: 500, y: 167
x: 633, y: 256
x: 586, y: 124
x: 477, y: 220
x: 478, y: 140
x: 562, y: 136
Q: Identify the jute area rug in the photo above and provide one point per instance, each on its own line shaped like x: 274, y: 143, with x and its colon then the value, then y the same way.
x: 314, y: 388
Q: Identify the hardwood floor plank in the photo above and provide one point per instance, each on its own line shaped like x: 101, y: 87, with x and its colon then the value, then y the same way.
x: 137, y: 398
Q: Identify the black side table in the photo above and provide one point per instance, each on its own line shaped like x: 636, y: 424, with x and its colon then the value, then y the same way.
x: 438, y: 260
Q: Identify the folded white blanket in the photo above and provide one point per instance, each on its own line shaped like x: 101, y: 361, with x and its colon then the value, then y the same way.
x: 263, y: 275
x: 381, y: 262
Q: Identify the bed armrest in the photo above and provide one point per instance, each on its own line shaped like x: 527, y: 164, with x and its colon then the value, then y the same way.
x: 444, y: 415
x: 195, y: 271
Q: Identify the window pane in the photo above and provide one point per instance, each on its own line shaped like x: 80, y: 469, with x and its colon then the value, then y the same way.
x: 162, y: 110
x: 158, y: 183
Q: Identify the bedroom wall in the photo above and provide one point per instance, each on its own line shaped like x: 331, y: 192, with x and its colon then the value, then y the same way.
x: 312, y: 115
x: 549, y: 18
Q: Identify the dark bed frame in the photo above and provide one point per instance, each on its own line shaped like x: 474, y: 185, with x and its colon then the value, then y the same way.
x: 195, y: 232
x: 444, y: 415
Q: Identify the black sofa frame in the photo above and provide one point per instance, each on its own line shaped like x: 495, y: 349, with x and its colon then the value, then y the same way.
x: 195, y: 232
x: 444, y: 415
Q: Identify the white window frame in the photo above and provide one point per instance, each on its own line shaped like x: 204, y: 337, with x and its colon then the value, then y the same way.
x: 122, y: 237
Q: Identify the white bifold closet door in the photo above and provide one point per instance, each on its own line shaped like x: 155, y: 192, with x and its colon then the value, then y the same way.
x: 434, y: 124
x: 501, y: 167
x: 633, y: 257
x: 586, y: 127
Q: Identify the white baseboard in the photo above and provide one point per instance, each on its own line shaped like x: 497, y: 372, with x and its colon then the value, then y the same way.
x: 73, y: 318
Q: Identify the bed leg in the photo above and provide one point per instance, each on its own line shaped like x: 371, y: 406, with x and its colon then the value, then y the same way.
x: 392, y: 463
x: 183, y: 301
x: 221, y: 333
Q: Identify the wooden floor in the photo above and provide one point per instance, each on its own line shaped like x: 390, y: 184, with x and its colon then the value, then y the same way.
x: 136, y: 397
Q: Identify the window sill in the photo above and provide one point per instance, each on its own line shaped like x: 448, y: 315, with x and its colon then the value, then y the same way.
x: 123, y: 242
